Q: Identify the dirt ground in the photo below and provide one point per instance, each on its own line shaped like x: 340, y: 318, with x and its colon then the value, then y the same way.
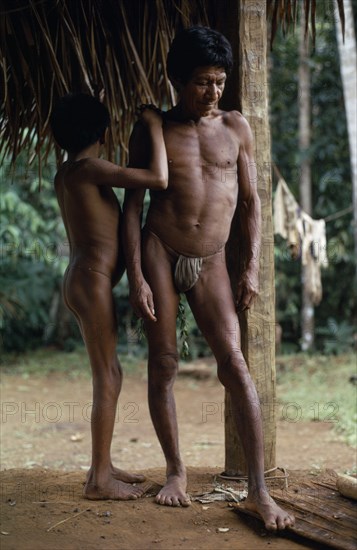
x: 45, y: 452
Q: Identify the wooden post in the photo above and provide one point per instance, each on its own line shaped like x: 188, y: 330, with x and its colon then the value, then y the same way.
x: 244, y: 23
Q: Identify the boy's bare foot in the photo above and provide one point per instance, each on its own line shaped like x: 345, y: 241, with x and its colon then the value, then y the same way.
x: 174, y: 491
x: 127, y: 477
x: 110, y: 488
x: 274, y: 517
x: 122, y: 475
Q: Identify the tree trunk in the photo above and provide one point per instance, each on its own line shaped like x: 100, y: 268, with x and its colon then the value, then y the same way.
x: 307, y: 313
x: 348, y: 63
x: 244, y: 24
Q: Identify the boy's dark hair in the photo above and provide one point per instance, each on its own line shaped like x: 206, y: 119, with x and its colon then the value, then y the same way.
x: 197, y: 47
x: 77, y: 121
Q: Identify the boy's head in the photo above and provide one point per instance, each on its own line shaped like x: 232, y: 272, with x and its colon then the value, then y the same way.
x: 197, y: 47
x: 78, y: 121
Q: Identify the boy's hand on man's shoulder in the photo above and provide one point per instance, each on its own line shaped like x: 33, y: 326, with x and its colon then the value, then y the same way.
x: 150, y: 114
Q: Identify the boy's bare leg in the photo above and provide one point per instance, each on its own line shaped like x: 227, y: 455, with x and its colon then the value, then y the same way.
x: 162, y: 369
x: 89, y: 296
x: 214, y: 310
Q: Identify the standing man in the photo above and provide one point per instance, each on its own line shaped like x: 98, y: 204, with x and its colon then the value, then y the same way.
x: 182, y: 249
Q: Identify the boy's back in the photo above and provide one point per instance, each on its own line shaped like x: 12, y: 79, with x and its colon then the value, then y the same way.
x: 91, y: 214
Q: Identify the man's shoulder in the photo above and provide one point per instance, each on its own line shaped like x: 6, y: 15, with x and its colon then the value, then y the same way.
x: 239, y: 125
x: 235, y: 118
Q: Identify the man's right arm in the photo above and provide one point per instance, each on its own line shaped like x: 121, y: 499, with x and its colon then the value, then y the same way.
x: 249, y: 210
x: 141, y: 297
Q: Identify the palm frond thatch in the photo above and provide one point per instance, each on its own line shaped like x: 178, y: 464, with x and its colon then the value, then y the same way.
x: 284, y: 13
x: 50, y: 47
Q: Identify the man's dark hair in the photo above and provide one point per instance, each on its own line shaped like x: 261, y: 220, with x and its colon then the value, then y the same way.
x: 77, y: 121
x: 198, y: 47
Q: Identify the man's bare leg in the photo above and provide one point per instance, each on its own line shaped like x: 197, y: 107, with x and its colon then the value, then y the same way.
x: 162, y: 372
x: 162, y: 369
x: 214, y: 310
x: 89, y: 296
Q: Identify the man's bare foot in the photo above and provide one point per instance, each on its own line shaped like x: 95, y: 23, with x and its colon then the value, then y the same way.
x: 122, y: 475
x: 174, y: 491
x: 274, y: 517
x: 110, y: 488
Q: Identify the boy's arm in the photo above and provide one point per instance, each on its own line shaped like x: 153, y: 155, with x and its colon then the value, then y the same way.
x: 249, y: 212
x: 152, y: 175
x: 141, y: 297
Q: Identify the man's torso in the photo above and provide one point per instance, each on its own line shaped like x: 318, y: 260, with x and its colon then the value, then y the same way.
x: 193, y: 216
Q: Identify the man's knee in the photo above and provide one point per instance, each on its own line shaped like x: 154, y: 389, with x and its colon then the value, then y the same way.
x: 232, y: 367
x: 107, y: 377
x: 163, y: 367
x: 106, y: 392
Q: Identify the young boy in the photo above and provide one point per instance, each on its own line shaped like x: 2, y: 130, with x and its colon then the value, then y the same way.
x: 92, y: 217
x: 183, y: 250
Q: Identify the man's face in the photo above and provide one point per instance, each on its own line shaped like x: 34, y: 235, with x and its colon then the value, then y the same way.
x: 200, y: 95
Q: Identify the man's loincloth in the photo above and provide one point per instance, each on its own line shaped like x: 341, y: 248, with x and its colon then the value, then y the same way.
x: 187, y: 272
x: 187, y: 268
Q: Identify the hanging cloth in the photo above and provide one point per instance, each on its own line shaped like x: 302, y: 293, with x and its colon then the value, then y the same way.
x: 306, y: 237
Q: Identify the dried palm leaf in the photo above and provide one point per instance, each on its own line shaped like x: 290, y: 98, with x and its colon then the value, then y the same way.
x: 48, y: 48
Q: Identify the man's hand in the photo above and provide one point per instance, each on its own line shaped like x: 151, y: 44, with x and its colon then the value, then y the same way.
x: 248, y: 288
x: 142, y: 302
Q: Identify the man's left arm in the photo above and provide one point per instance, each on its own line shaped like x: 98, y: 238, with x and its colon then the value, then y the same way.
x: 249, y: 212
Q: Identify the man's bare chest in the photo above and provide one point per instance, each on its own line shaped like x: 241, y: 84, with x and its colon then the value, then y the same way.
x: 189, y: 147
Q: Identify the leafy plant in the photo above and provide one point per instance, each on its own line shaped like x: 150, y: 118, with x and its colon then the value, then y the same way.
x: 32, y: 254
x: 336, y: 337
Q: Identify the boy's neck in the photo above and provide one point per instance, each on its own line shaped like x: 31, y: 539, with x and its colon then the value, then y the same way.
x: 90, y: 151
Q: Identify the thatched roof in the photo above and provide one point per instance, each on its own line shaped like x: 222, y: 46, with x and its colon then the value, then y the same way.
x: 50, y: 47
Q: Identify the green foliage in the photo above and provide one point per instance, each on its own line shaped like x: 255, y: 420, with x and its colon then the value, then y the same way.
x: 31, y: 260
x: 27, y: 288
x: 47, y: 361
x: 331, y: 177
x: 319, y: 389
x: 336, y: 337
x: 192, y: 343
x: 183, y: 330
x: 288, y: 288
x: 44, y: 362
